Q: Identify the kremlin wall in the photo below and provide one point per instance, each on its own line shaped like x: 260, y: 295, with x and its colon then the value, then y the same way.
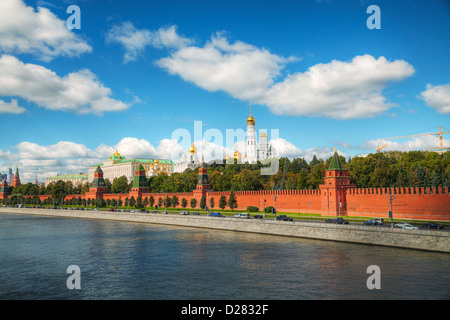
x: 337, y: 196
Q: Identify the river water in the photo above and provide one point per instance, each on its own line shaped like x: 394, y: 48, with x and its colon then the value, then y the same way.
x: 118, y: 260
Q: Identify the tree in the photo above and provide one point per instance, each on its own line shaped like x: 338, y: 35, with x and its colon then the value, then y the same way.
x: 120, y: 185
x: 184, y: 203
x: 151, y: 201
x: 139, y: 204
x: 232, y: 202
x: 193, y: 203
x: 203, y: 202
x: 175, y: 201
x: 222, y: 202
x: 132, y: 201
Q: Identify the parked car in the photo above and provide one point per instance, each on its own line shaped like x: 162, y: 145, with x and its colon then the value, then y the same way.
x: 185, y: 213
x: 258, y: 216
x: 409, y: 227
x: 431, y: 225
x: 216, y: 214
x: 371, y: 222
x: 196, y: 213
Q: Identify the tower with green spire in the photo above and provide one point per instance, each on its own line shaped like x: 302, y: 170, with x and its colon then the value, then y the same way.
x: 203, y: 185
x: 334, y: 189
x: 98, y: 186
x: 139, y: 185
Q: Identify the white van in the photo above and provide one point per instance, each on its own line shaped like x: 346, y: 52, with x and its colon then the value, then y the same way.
x: 242, y: 215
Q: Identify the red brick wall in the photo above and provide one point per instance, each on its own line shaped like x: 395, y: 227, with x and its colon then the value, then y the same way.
x: 412, y: 203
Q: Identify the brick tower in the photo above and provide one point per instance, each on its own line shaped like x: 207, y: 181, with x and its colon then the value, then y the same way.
x: 139, y: 183
x: 4, y: 190
x: 16, y: 181
x: 98, y: 186
x: 203, y: 185
x: 334, y: 189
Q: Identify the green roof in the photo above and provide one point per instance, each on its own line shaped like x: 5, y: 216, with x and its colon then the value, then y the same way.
x: 336, y: 163
x: 138, y: 161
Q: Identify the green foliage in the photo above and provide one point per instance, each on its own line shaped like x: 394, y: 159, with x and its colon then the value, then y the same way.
x: 252, y: 209
x: 222, y: 202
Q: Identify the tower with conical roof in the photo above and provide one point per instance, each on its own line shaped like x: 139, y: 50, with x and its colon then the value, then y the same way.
x: 334, y: 189
x: 98, y: 186
x: 16, y: 181
x: 139, y: 185
x: 203, y: 185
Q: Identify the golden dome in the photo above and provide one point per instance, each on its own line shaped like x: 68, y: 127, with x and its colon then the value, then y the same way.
x: 116, y: 154
x: 237, y: 155
x: 251, y: 120
x: 156, y: 161
x: 263, y: 135
x: 192, y: 149
x: 227, y: 157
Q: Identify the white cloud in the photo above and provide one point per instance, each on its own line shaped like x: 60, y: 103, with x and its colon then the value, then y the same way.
x: 41, y: 33
x: 10, y: 107
x: 407, y: 144
x: 286, y: 149
x: 136, y: 40
x: 438, y: 97
x: 79, y: 92
x: 340, y: 90
x: 240, y: 69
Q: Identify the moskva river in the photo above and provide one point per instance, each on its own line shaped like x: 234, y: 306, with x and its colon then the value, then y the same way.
x: 59, y: 258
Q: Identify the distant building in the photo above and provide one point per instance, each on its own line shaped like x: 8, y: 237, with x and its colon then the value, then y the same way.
x: 76, y: 179
x: 188, y: 162
x: 254, y: 150
x: 117, y: 166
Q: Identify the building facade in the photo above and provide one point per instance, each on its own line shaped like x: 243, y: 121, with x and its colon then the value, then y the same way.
x: 117, y: 166
x: 76, y: 179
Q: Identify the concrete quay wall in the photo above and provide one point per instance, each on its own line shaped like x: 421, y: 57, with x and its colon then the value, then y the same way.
x: 430, y: 240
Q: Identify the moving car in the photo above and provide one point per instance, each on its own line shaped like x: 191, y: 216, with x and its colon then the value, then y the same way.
x: 431, y: 225
x: 242, y: 215
x: 216, y: 214
x: 400, y: 224
x: 258, y: 216
x: 185, y: 213
x: 284, y: 218
x: 337, y: 221
x: 378, y: 220
x: 410, y: 227
x: 371, y: 222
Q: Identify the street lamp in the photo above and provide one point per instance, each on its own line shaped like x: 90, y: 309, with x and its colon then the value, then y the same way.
x: 275, y: 209
x: 391, y: 198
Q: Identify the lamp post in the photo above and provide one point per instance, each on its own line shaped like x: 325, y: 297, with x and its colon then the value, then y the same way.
x: 391, y: 198
x: 275, y: 209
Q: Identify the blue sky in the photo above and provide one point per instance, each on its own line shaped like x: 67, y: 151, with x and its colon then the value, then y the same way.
x: 137, y: 71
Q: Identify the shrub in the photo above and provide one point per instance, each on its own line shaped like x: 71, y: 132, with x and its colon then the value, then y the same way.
x: 268, y: 209
x: 252, y: 209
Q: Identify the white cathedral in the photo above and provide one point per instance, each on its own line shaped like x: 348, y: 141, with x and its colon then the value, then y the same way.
x: 254, y: 151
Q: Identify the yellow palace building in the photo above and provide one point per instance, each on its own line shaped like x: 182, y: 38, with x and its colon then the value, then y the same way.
x: 117, y: 166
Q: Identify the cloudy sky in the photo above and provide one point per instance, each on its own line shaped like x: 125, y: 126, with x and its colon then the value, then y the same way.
x: 150, y: 77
